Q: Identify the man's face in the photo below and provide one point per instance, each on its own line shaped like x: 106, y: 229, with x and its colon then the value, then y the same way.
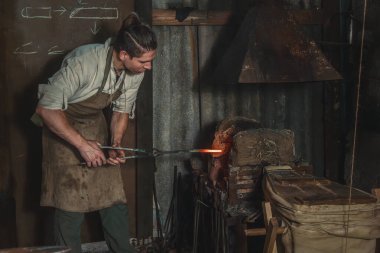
x: 138, y: 65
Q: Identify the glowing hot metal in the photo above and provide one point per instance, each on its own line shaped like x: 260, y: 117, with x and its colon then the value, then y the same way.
x: 206, y: 151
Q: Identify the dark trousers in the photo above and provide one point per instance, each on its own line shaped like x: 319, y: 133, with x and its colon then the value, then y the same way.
x: 114, y: 219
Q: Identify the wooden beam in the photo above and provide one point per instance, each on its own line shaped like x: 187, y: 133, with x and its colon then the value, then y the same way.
x: 162, y: 17
x: 270, y: 239
x: 144, y: 138
x: 376, y: 192
x: 196, y: 17
x: 267, y: 212
x: 262, y: 231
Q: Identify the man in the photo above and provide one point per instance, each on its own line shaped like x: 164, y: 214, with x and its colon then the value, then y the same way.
x: 92, y: 77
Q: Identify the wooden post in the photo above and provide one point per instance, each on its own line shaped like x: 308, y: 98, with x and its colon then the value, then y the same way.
x: 144, y: 139
x: 376, y: 192
x: 267, y: 212
x: 262, y: 231
x: 271, y: 230
x: 270, y: 239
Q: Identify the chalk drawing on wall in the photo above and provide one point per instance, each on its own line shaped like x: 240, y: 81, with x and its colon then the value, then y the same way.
x: 78, y: 13
x: 61, y: 10
x: 26, y: 48
x: 29, y: 49
x: 41, y: 12
x: 53, y: 50
x: 95, y: 29
x: 36, y: 12
x: 89, y: 13
x: 95, y: 13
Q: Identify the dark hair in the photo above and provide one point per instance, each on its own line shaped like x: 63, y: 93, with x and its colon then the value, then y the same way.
x: 135, y: 37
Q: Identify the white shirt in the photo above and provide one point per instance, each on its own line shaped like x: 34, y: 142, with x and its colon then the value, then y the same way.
x: 81, y: 76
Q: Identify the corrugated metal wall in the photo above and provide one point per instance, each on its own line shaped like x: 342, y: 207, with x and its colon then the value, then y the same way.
x: 187, y: 105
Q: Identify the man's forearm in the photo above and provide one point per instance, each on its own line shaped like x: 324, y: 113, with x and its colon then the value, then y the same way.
x: 57, y: 122
x: 119, y: 124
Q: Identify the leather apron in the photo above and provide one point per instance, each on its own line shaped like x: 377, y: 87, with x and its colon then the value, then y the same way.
x: 66, y: 184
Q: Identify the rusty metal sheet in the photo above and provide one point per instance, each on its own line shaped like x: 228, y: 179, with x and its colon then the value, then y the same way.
x: 271, y: 48
x: 279, y: 52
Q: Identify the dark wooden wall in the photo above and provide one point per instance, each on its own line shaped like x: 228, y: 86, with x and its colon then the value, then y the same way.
x: 35, y: 36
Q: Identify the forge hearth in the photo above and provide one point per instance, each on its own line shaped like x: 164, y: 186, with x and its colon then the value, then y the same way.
x: 247, y: 148
x: 258, y: 165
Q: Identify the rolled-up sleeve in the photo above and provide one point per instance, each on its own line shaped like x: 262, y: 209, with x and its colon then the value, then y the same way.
x: 126, y: 102
x: 61, y: 86
x: 51, y: 97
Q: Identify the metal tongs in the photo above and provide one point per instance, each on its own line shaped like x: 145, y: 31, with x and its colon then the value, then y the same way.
x: 143, y: 152
x: 156, y: 152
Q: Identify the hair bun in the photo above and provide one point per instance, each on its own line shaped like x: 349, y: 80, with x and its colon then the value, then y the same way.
x: 131, y: 20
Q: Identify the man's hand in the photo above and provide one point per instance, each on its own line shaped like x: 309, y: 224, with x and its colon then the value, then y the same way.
x: 116, y: 156
x: 92, y: 153
x: 57, y: 122
x: 119, y: 123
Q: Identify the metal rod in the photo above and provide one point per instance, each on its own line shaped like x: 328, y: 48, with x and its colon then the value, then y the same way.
x: 157, y: 152
x: 125, y: 149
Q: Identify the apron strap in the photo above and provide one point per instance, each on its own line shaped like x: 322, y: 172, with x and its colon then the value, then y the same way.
x: 107, y: 68
x: 122, y: 81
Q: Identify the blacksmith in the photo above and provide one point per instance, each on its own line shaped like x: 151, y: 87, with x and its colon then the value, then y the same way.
x: 91, y: 78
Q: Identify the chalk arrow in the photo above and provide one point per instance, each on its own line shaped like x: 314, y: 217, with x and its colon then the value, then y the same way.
x: 95, y: 29
x: 24, y: 49
x: 61, y: 10
x: 53, y: 50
